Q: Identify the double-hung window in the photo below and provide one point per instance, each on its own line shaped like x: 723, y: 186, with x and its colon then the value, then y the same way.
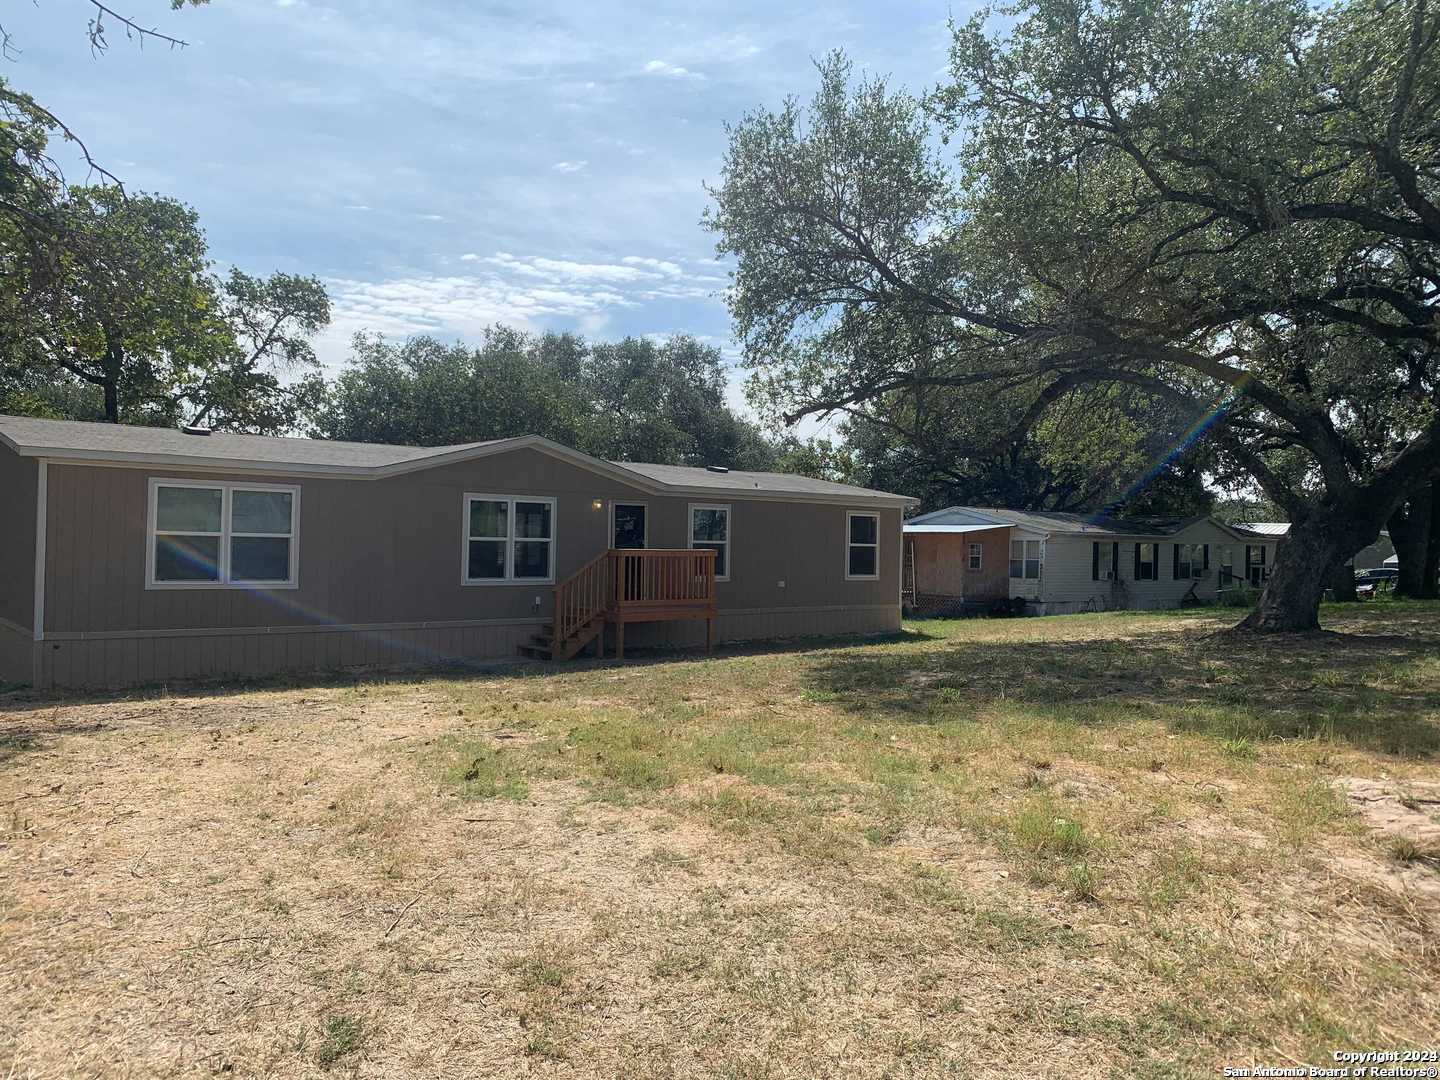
x: 1147, y: 565
x: 710, y: 530
x: 1025, y: 558
x: 222, y: 535
x: 1104, y: 561
x: 977, y: 554
x: 1255, y: 570
x: 1191, y: 561
x: 862, y: 551
x: 509, y: 538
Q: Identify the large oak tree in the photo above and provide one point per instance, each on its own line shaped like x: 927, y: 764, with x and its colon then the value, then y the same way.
x: 1228, y: 203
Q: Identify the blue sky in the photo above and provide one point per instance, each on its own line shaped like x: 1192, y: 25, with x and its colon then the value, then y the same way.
x: 444, y: 166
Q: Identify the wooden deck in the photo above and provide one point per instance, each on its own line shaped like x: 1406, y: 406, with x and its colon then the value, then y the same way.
x: 623, y: 586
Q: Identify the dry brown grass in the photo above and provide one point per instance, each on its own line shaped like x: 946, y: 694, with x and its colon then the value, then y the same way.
x: 1085, y: 846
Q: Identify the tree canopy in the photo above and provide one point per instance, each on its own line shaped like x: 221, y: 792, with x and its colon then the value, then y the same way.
x: 1229, y: 205
x: 635, y: 399
x: 116, y: 301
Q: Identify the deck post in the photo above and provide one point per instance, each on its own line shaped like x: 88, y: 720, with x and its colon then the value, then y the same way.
x: 600, y: 642
x: 620, y: 640
x: 710, y: 635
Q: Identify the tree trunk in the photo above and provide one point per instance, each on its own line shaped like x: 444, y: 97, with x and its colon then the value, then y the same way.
x: 1412, y: 531
x: 113, y: 366
x: 1305, y: 564
x: 1342, y: 584
x: 1430, y: 574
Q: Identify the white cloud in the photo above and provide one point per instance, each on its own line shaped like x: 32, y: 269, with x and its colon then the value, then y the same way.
x: 358, y: 206
x: 673, y: 71
x: 524, y: 291
x: 661, y: 265
x: 569, y: 166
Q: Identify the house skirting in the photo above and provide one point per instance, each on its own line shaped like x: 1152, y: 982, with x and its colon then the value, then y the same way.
x: 17, y: 653
x: 121, y: 658
x: 761, y: 624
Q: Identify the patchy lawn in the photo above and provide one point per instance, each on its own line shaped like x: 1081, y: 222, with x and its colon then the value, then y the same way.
x: 1083, y: 846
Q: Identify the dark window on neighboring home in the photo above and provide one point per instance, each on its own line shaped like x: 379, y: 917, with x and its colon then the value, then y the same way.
x: 1255, y: 571
x: 1146, y: 568
x: 1190, y: 560
x: 1104, y: 561
x: 977, y: 552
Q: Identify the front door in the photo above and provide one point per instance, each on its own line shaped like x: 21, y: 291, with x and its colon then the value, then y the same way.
x: 629, y: 527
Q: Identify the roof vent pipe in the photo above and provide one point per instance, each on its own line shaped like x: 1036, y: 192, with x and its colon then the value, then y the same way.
x: 192, y: 429
x: 716, y: 468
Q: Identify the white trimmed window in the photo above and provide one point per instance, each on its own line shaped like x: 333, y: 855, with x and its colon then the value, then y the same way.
x: 1227, y: 564
x: 1147, y: 562
x: 1191, y: 561
x: 1025, y: 559
x: 203, y: 535
x: 862, y: 555
x: 710, y: 528
x: 977, y: 553
x: 509, y: 538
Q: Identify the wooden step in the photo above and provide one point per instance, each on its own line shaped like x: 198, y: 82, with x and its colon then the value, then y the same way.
x: 536, y: 652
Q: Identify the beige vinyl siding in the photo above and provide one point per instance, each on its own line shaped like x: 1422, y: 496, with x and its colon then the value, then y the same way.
x: 17, y: 653
x: 379, y: 575
x: 19, y: 483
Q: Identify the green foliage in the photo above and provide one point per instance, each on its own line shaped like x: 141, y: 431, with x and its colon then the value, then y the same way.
x: 340, y: 1036
x: 635, y: 400
x: 111, y: 312
x: 1227, y: 209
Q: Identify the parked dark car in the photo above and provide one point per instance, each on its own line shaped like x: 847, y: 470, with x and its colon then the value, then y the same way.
x: 1380, y: 579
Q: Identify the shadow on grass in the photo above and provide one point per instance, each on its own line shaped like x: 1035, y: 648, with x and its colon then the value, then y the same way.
x: 1370, y: 692
x: 24, y: 701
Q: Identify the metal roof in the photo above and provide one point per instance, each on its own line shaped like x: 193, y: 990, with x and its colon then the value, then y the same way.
x: 1262, y: 528
x: 122, y: 444
x: 1052, y: 522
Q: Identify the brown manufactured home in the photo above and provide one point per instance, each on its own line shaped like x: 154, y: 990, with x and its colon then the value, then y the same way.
x: 132, y: 555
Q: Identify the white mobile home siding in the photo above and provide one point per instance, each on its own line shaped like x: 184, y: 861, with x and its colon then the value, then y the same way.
x: 1067, y: 584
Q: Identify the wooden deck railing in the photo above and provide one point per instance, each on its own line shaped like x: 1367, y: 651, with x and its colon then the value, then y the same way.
x: 633, y: 584
x: 581, y: 597
x: 662, y: 578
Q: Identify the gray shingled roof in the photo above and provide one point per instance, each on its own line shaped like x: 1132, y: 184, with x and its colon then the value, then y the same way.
x: 146, y: 445
x: 71, y: 436
x: 1051, y: 522
x: 737, y: 481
